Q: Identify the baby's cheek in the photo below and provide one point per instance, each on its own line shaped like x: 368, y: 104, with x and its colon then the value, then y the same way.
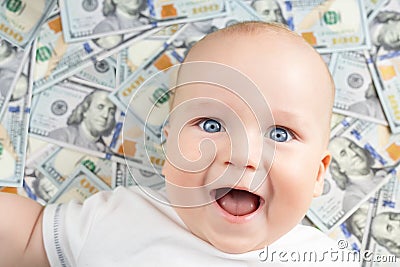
x: 293, y: 183
x: 189, y: 145
x: 177, y: 176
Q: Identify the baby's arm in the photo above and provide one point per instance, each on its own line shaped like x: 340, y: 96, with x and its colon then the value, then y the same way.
x: 21, y: 241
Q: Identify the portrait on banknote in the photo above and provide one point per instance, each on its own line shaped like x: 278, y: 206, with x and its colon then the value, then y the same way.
x: 360, y: 166
x: 352, y: 229
x: 10, y: 61
x: 90, y: 120
x: 42, y: 188
x: 121, y: 14
x: 369, y: 106
x: 352, y: 170
x: 385, y: 28
x: 356, y: 223
x: 385, y: 229
x: 269, y: 10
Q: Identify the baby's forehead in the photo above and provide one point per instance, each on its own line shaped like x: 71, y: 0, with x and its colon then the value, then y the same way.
x: 209, y: 82
x: 287, y: 71
x: 267, y: 49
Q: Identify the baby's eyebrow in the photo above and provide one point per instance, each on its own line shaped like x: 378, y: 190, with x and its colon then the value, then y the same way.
x: 289, y: 118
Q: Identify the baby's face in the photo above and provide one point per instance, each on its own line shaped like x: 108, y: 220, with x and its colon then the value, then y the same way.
x: 273, y: 158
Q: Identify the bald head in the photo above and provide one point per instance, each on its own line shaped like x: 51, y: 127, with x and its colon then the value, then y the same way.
x: 253, y: 31
x: 247, y: 29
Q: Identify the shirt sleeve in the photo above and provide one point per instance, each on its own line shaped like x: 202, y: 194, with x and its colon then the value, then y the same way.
x: 66, y: 227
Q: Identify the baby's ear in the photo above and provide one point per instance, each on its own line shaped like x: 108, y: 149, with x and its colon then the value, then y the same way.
x: 323, y: 166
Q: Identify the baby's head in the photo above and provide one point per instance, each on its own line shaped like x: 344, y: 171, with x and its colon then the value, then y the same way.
x: 269, y: 145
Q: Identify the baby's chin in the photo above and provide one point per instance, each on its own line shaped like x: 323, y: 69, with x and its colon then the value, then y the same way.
x: 237, y: 245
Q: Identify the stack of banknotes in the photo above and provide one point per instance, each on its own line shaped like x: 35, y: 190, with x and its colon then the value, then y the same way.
x: 69, y: 68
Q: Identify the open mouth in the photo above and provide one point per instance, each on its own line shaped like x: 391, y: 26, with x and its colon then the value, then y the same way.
x: 237, y: 202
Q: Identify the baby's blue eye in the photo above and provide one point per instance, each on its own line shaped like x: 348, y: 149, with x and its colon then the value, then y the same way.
x: 210, y: 126
x: 279, y: 134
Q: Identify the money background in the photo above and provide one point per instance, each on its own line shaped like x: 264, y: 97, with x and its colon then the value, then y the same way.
x: 54, y: 64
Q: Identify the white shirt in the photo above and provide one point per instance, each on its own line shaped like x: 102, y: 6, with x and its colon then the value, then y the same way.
x: 125, y: 227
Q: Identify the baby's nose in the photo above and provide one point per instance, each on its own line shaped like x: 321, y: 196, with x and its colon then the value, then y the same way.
x: 248, y: 153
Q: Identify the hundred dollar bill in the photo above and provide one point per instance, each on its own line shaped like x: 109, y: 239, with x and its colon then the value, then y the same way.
x: 329, y: 25
x: 37, y: 149
x: 55, y: 11
x: 38, y: 186
x: 373, y: 235
x: 355, y: 91
x: 381, y: 231
x: 80, y: 185
x: 169, y: 9
x: 385, y: 70
x: 167, y: 31
x: 14, y: 133
x: 101, y: 167
x: 35, y: 184
x: 136, y: 149
x: 383, y: 59
x: 336, y: 119
x: 20, y: 20
x: 384, y: 27
x: 8, y: 157
x: 83, y: 22
x: 326, y: 58
x: 100, y: 74
x: 82, y: 119
x: 12, y: 61
x: 352, y: 229
x: 194, y: 31
x: 162, y: 60
x: 361, y: 165
x: 57, y: 60
x: 124, y: 175
x: 371, y: 6
x: 77, y: 117
x: 49, y: 170
x: 130, y: 58
x: 270, y: 10
x: 58, y: 169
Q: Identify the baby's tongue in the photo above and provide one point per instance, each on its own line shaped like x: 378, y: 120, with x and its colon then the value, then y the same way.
x: 238, y: 202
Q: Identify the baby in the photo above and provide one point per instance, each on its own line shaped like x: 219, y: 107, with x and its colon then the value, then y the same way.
x: 246, y: 152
